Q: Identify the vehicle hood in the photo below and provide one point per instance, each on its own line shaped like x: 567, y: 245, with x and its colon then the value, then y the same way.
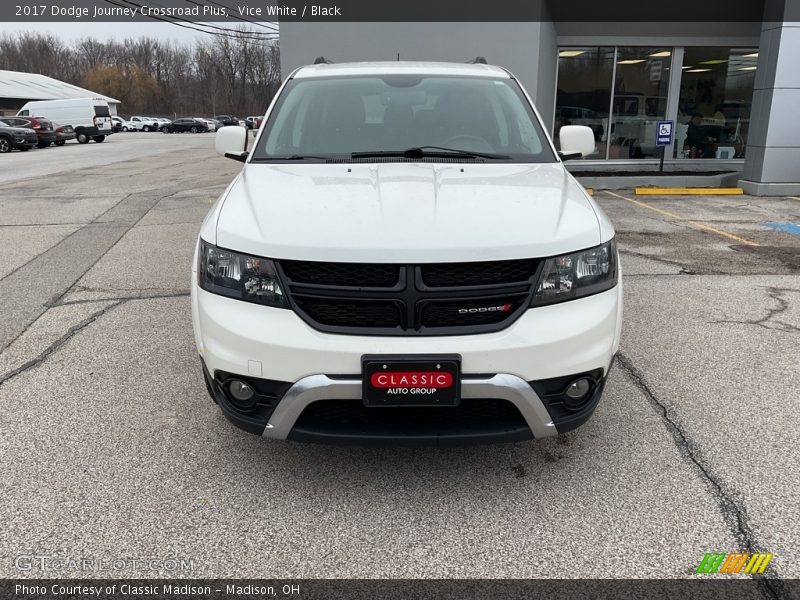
x: 406, y: 212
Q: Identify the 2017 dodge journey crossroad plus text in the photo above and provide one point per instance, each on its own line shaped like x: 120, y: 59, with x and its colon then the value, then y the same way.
x: 404, y: 259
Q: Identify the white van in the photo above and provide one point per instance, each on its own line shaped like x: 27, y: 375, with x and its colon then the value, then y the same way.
x: 89, y: 117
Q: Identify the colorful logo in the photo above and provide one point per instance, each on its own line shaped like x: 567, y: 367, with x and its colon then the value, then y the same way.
x: 734, y: 563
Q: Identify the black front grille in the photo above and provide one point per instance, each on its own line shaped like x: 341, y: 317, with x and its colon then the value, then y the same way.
x: 478, y: 273
x: 351, y: 313
x: 343, y: 274
x: 398, y: 299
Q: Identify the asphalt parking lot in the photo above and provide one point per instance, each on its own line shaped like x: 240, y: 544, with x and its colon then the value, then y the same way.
x: 112, y: 448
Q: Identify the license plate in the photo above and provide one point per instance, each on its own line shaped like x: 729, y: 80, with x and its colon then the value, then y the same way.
x: 430, y: 380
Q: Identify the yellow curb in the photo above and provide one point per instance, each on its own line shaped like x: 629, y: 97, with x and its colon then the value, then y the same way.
x: 648, y: 191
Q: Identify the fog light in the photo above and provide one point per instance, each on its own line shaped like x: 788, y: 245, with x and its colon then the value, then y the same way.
x: 241, y: 392
x: 578, y: 389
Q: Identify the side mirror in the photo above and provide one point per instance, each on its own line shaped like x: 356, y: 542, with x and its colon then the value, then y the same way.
x: 576, y: 141
x: 231, y: 142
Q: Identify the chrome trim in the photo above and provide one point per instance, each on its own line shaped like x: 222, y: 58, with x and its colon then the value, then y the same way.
x: 321, y: 387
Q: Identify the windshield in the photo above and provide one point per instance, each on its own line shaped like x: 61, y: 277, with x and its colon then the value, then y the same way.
x: 4, y: 124
x: 331, y: 118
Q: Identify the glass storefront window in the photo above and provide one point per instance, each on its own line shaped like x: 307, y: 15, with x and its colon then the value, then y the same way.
x: 640, y: 100
x: 715, y: 99
x: 583, y: 96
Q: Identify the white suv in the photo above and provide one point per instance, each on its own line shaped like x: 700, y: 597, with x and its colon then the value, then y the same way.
x: 404, y: 259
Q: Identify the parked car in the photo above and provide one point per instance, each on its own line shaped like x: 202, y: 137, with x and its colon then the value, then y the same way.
x: 120, y: 124
x: 163, y: 123
x: 133, y: 125
x: 45, y: 133
x: 19, y: 138
x: 145, y: 123
x: 64, y: 133
x: 89, y: 117
x: 253, y: 122
x: 470, y: 290
x: 226, y: 120
x: 210, y: 123
x: 187, y: 124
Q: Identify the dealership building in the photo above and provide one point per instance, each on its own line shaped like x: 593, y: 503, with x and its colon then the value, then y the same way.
x: 729, y: 82
x: 17, y: 88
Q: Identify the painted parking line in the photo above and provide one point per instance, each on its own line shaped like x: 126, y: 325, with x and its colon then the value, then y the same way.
x: 785, y: 227
x: 695, y: 224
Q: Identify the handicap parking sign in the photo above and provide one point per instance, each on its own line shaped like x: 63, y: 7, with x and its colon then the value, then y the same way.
x: 664, y: 132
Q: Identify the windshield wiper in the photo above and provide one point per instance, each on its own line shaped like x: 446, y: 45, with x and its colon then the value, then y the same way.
x: 428, y: 151
x: 291, y: 157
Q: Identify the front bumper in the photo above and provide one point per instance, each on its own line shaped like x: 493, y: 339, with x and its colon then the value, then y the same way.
x: 293, y: 412
x: 519, y: 366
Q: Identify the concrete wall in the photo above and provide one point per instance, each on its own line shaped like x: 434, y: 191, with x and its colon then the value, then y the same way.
x: 526, y: 49
x: 772, y: 166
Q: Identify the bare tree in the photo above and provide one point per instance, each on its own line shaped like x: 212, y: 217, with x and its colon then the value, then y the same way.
x: 234, y: 74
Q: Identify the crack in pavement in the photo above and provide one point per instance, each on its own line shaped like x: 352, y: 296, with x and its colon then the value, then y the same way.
x: 734, y: 514
x: 125, y: 298
x: 776, y: 294
x: 70, y: 333
x: 75, y: 329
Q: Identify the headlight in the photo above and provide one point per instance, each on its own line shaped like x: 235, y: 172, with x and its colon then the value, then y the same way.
x: 577, y: 275
x: 239, y: 276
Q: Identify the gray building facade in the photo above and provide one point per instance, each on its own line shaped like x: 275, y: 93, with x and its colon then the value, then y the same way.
x: 729, y: 86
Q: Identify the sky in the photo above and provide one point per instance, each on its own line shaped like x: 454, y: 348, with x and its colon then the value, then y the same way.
x: 104, y: 31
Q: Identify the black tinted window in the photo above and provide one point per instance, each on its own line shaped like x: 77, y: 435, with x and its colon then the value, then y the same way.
x: 101, y: 111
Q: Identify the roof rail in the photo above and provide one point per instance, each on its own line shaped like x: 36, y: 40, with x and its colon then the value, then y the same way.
x: 321, y: 60
x: 478, y: 60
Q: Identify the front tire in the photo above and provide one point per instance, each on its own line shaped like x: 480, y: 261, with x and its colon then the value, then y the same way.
x: 82, y: 137
x: 193, y: 130
x: 5, y: 146
x: 165, y: 129
x: 146, y: 128
x: 99, y: 138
